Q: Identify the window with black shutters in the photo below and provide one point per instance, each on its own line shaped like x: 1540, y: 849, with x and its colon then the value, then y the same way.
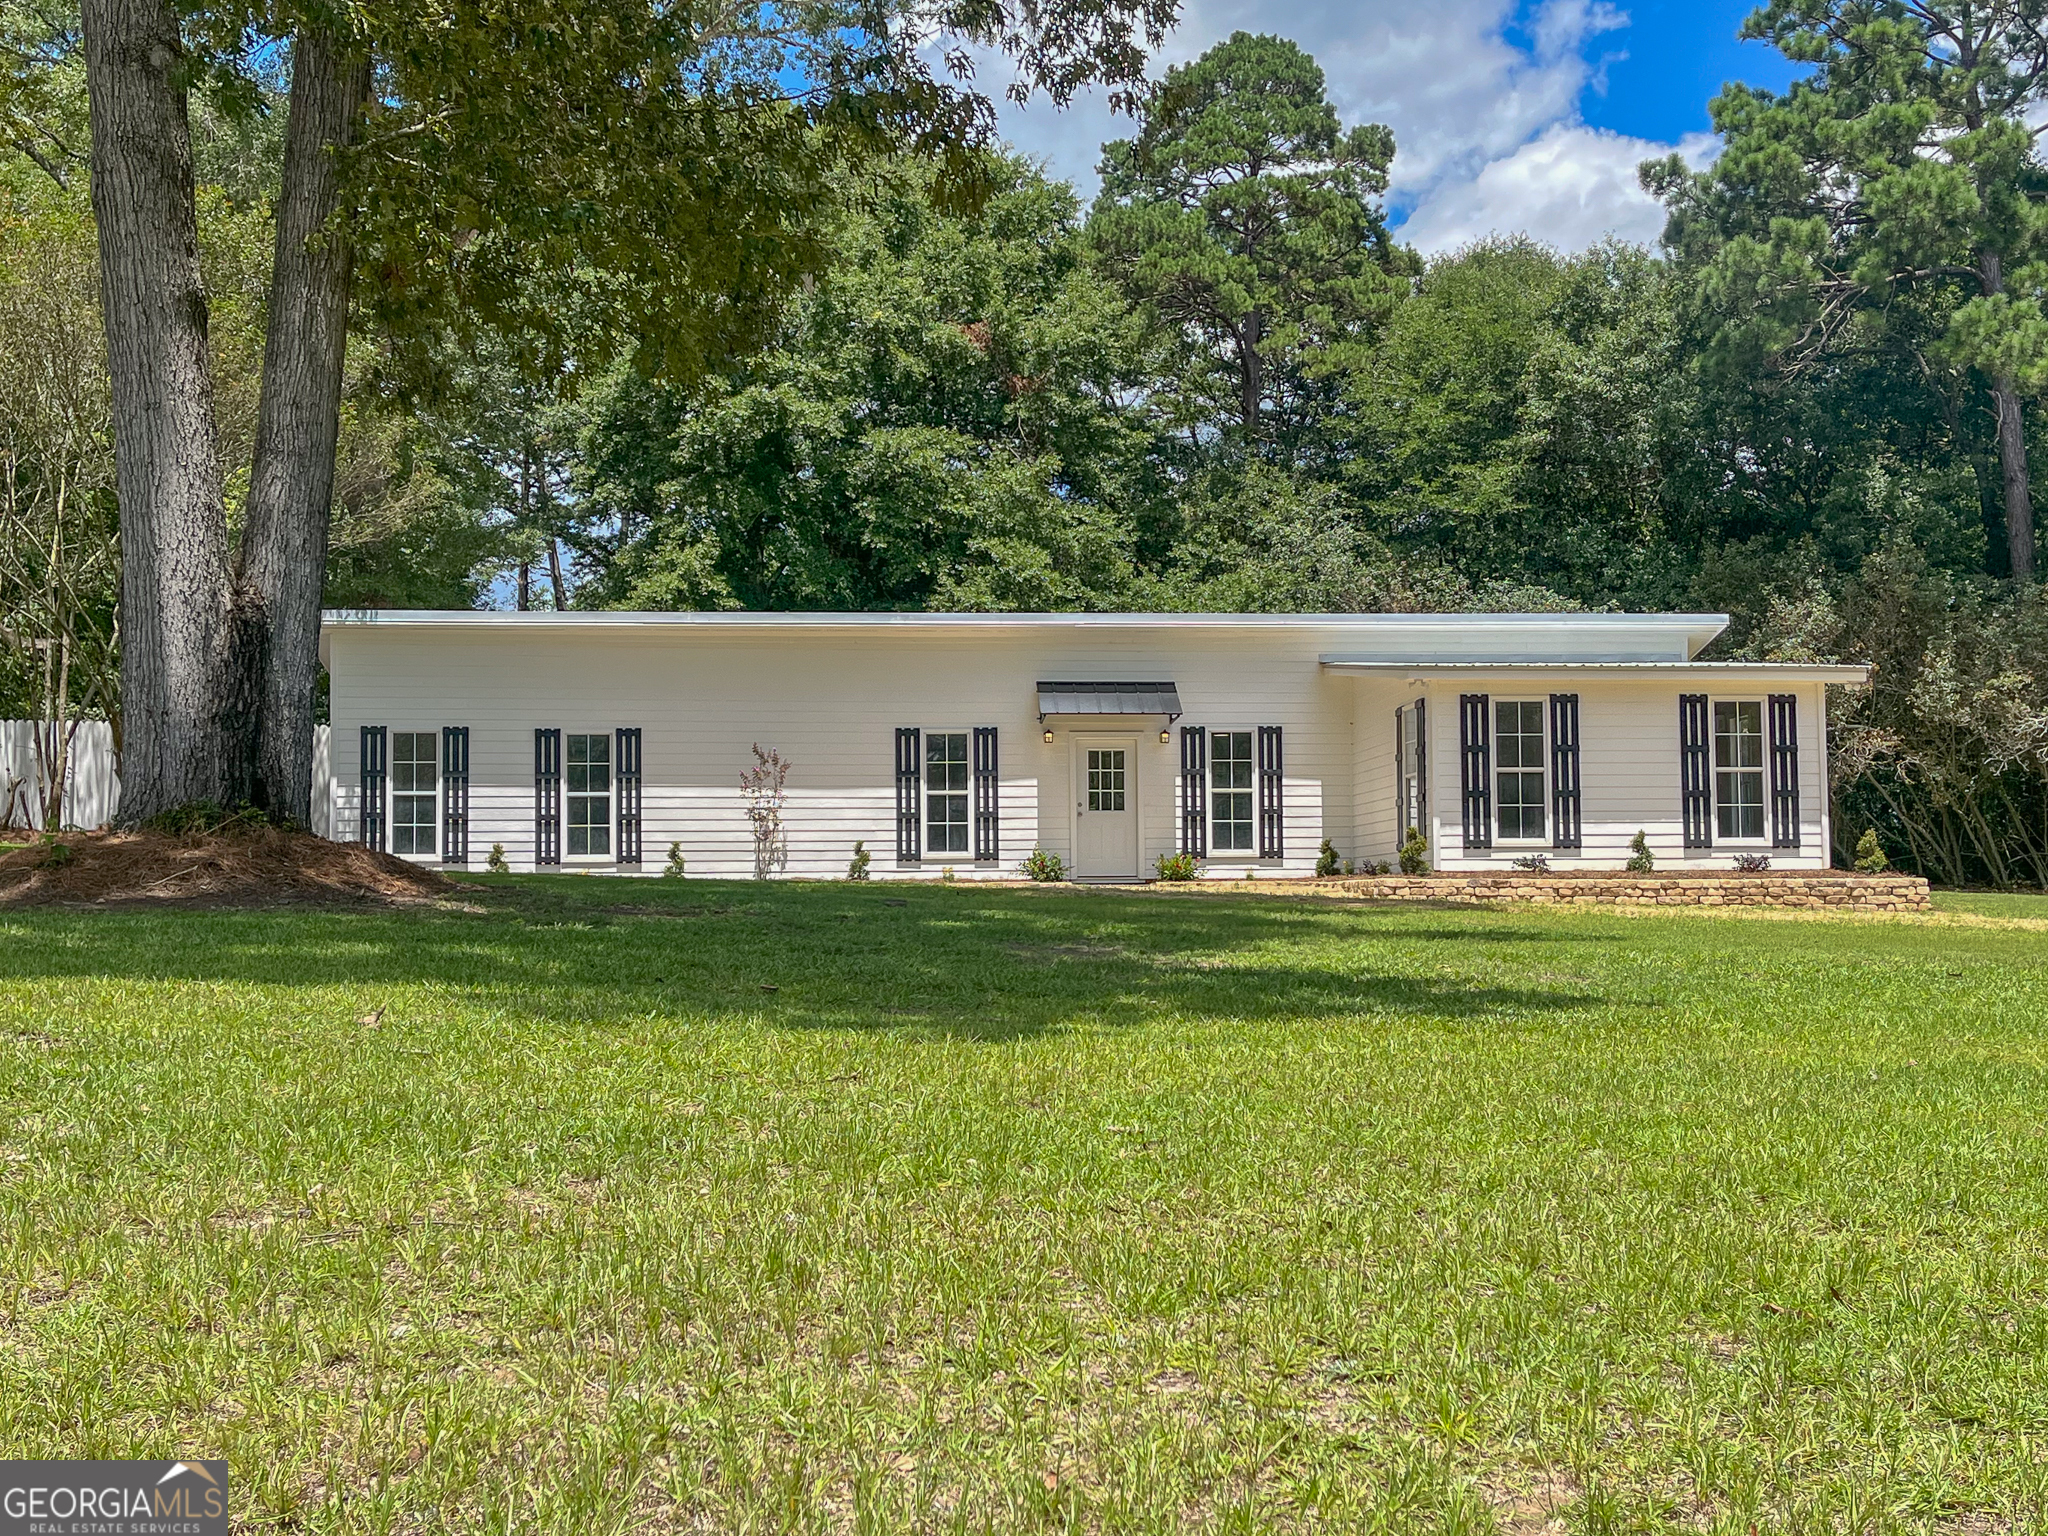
x: 1519, y: 769
x: 415, y: 807
x: 589, y: 789
x: 1233, y: 827
x: 946, y: 771
x: 1739, y: 769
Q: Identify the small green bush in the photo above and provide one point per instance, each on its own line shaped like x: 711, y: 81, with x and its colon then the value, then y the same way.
x: 1415, y: 853
x: 1326, y: 860
x: 1040, y: 864
x: 677, y: 867
x: 496, y: 862
x: 857, y: 866
x: 1640, y: 860
x: 1870, y: 857
x: 1177, y: 866
x: 56, y: 855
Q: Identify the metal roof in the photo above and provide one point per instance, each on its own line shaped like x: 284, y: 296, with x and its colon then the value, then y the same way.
x: 1782, y: 671
x: 1108, y: 699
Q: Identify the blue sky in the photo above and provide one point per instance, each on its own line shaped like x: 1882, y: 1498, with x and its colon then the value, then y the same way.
x: 1511, y: 116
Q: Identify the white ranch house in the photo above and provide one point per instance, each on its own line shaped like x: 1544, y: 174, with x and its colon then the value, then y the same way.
x: 958, y: 742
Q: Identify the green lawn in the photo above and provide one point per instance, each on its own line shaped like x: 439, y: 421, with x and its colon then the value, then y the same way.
x: 1022, y: 1210
x: 1993, y: 903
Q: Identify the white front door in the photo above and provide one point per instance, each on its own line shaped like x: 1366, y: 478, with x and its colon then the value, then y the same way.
x: 1106, y: 807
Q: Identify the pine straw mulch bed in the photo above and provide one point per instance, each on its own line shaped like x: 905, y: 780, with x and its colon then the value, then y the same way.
x: 235, y: 867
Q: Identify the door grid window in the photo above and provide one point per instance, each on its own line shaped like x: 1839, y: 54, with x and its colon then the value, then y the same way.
x: 1105, y: 778
x: 590, y: 795
x: 1230, y: 791
x: 945, y: 791
x: 415, y: 760
x: 1739, y: 768
x: 1518, y: 757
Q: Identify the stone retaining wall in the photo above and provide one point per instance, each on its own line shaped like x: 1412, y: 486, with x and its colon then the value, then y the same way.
x: 1840, y: 889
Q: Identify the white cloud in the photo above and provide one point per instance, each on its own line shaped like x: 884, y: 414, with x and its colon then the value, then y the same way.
x: 1484, y: 110
x: 1571, y: 187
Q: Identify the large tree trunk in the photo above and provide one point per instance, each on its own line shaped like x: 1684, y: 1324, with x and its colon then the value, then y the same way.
x: 2012, y: 462
x: 291, y: 487
x: 174, y: 555
x: 2012, y: 444
x: 1251, y: 387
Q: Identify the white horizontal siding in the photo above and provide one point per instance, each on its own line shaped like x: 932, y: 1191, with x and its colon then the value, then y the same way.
x: 1629, y: 779
x: 831, y: 704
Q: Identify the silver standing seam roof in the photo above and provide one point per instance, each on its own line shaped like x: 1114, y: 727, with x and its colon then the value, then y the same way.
x: 1108, y: 699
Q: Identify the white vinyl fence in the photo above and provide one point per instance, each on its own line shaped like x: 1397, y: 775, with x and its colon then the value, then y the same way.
x: 92, y: 790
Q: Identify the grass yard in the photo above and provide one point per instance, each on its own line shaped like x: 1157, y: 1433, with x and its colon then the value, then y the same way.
x: 831, y: 1208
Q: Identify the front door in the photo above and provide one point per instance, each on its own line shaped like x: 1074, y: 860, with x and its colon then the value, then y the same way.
x: 1106, y: 808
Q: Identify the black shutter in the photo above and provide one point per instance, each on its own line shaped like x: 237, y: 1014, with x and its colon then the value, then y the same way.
x: 628, y: 782
x: 1194, y: 791
x: 455, y: 794
x: 374, y: 746
x: 987, y: 794
x: 1784, y: 770
x: 547, y: 795
x: 1421, y: 771
x: 1475, y: 752
x: 1272, y: 827
x: 1400, y: 777
x: 909, y: 766
x: 1564, y: 770
x: 1695, y: 776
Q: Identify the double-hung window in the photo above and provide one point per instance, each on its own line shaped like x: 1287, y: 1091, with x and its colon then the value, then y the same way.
x: 415, y: 765
x: 1232, y: 828
x: 1518, y: 769
x: 946, y: 820
x: 1739, y: 769
x: 589, y: 773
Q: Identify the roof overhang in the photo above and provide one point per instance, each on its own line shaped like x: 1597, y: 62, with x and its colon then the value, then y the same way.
x: 1696, y: 671
x: 1108, y: 699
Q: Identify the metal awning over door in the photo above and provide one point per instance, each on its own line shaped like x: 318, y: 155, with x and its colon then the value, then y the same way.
x: 1108, y: 699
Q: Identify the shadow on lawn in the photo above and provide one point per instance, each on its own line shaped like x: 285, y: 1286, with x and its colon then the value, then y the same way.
x: 985, y: 965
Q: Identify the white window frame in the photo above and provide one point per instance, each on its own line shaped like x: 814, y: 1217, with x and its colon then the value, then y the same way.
x: 1249, y: 854
x: 1762, y: 769
x: 611, y: 798
x: 392, y: 793
x: 965, y: 852
x: 1547, y: 836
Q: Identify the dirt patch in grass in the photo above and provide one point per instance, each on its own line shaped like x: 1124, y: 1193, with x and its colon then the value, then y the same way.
x: 243, y: 867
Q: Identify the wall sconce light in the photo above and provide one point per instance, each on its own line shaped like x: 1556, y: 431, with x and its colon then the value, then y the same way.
x: 1048, y: 735
x: 1166, y: 736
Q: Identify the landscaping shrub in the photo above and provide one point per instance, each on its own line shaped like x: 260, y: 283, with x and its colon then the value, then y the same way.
x: 1538, y: 862
x: 1040, y: 864
x: 1752, y: 863
x: 1640, y: 860
x: 496, y: 864
x: 1415, y: 853
x: 857, y: 866
x: 1180, y: 866
x: 677, y: 866
x: 1326, y: 860
x: 1870, y: 856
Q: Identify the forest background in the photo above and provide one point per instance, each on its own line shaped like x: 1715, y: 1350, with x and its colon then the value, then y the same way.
x: 1222, y: 385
